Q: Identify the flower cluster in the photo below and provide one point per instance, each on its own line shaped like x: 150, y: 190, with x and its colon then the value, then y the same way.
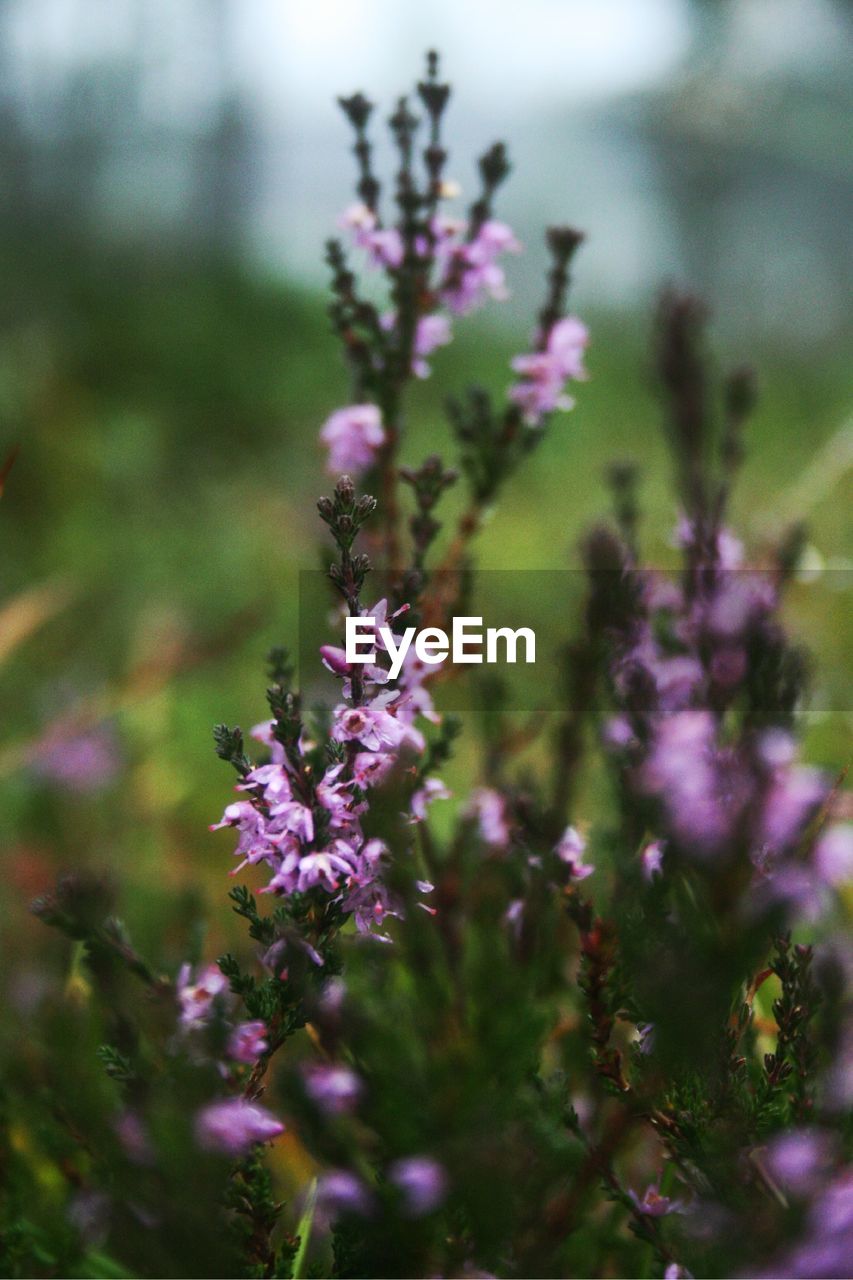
x: 690, y: 663
x: 307, y: 830
x: 544, y: 373
x: 612, y: 1046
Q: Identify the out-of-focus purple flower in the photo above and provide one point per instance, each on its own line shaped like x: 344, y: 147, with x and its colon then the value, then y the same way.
x: 674, y: 679
x: 827, y: 1248
x: 795, y: 887
x: 383, y: 246
x: 489, y: 808
x: 570, y: 849
x: 196, y: 997
x: 248, y: 1041
x: 88, y: 1213
x: 514, y: 917
x: 651, y: 860
x: 618, y: 733
x: 727, y: 549
x: 696, y: 784
x: 433, y: 789
x: 353, y: 436
x: 675, y: 1271
x: 800, y: 1159
x: 472, y: 272
x: 791, y: 800
x: 134, y: 1138
x: 422, y: 1181
x: 233, y: 1126
x: 833, y: 855
x: 78, y: 761
x: 728, y: 666
x: 432, y: 331
x: 340, y: 1192
x: 545, y: 373
x: 653, y: 1204
x: 740, y: 601
x: 332, y: 1086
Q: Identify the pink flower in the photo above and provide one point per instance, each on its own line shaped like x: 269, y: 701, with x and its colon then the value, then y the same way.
x: 790, y: 803
x: 196, y: 998
x: 291, y: 818
x: 489, y: 808
x: 834, y: 855
x: 372, y: 724
x: 545, y: 373
x: 370, y: 767
x: 233, y: 1126
x: 473, y: 273
x: 431, y: 332
x: 353, y: 436
x: 333, y: 1087
x: 80, y: 761
x: 570, y: 850
x: 433, y: 789
x: 651, y: 860
x: 800, y: 1159
x: 335, y: 659
x: 326, y: 868
x: 340, y: 1192
x: 248, y: 1041
x: 384, y: 247
x: 422, y: 1182
x: 653, y: 1204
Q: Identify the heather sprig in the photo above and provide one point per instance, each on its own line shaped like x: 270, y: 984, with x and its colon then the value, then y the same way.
x: 591, y: 1021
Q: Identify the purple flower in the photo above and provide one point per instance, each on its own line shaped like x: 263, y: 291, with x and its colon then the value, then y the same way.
x: 340, y: 1192
x: 472, y: 272
x: 827, y: 1247
x: 196, y: 998
x: 833, y: 855
x: 433, y: 789
x: 88, y: 1212
x: 800, y: 1159
x: 790, y: 802
x: 353, y: 436
x: 653, y: 1204
x: 618, y: 733
x: 333, y: 1087
x: 422, y: 1182
x: 373, y: 724
x: 133, y: 1137
x: 697, y: 785
x: 489, y: 808
x: 569, y: 850
x: 431, y: 332
x: 232, y: 1126
x: 79, y: 761
x: 248, y: 1041
x: 384, y: 247
x: 370, y: 767
x: 545, y: 373
x: 651, y: 860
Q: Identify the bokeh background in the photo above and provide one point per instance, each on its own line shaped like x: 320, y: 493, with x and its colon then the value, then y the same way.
x: 169, y: 170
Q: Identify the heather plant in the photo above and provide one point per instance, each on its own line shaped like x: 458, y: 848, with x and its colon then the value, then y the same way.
x: 568, y: 1030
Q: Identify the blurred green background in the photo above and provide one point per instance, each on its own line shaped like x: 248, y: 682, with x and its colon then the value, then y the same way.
x: 168, y: 176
